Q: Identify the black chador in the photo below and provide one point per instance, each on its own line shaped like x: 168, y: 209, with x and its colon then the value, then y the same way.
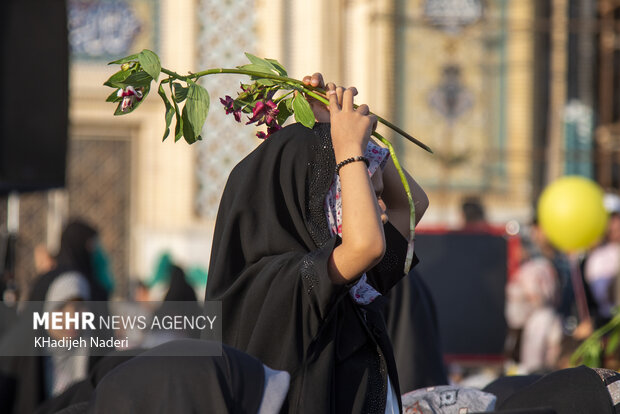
x: 269, y: 268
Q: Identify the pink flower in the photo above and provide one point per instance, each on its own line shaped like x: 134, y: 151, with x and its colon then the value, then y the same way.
x: 229, y: 105
x: 264, y: 112
x: 130, y: 97
x: 275, y: 127
x: 270, y: 130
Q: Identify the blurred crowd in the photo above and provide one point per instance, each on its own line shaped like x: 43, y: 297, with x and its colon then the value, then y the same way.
x: 78, y: 273
x: 554, y: 301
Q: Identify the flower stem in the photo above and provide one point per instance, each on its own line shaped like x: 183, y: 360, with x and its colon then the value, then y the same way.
x: 316, y: 93
x: 282, y: 97
x: 405, y: 183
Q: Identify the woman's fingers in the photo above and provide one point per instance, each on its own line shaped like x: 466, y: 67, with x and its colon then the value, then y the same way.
x: 316, y: 80
x: 342, y: 98
x: 339, y: 94
x: 347, y: 98
x: 374, y: 120
x: 332, y: 95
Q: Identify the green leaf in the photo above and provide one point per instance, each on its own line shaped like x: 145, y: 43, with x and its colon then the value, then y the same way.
x: 180, y: 92
x: 138, y: 79
x: 289, y: 104
x: 265, y: 82
x: 114, y: 96
x: 195, y: 112
x: 284, y: 110
x: 117, y: 80
x: 257, y: 68
x: 612, y: 343
x: 178, y: 128
x: 243, y: 101
x: 592, y: 358
x: 188, y: 131
x: 150, y: 63
x: 130, y: 58
x: 169, y: 111
x: 261, y: 62
x: 278, y: 66
x: 303, y: 111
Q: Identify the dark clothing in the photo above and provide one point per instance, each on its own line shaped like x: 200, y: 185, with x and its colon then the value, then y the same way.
x: 567, y: 391
x: 269, y: 264
x: 77, y: 244
x: 22, y: 386
x: 155, y: 382
x: 82, y: 392
x: 414, y: 331
x: 504, y: 387
x: 23, y: 378
x: 179, y: 289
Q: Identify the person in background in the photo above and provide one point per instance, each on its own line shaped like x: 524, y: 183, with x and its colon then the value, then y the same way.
x: 79, y: 270
x: 473, y: 216
x: 602, y: 267
x: 28, y: 380
x: 531, y: 301
x: 80, y: 251
x: 180, y: 300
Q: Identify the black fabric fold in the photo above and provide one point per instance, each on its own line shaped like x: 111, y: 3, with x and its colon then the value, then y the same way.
x: 567, y: 391
x: 414, y: 331
x: 154, y: 382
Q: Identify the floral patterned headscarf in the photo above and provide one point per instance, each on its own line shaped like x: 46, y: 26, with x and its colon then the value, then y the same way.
x: 377, y: 156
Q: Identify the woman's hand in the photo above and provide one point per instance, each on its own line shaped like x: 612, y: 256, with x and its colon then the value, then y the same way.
x: 321, y: 113
x: 350, y: 127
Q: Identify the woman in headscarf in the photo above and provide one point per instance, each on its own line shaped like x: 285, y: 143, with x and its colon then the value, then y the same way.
x: 79, y: 251
x: 305, y: 246
x: 179, y: 290
x: 180, y: 300
x: 28, y: 378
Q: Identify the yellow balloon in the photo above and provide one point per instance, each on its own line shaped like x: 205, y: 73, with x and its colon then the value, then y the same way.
x: 571, y: 213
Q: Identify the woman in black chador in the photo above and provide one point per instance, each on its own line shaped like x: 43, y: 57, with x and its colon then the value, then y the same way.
x: 303, y: 252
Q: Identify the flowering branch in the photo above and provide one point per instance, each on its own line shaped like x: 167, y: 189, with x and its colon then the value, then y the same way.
x: 132, y: 84
x: 139, y: 69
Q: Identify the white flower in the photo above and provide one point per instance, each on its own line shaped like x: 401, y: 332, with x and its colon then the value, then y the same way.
x: 130, y: 97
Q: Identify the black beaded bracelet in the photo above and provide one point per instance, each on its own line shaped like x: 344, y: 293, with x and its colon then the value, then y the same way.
x: 350, y: 160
